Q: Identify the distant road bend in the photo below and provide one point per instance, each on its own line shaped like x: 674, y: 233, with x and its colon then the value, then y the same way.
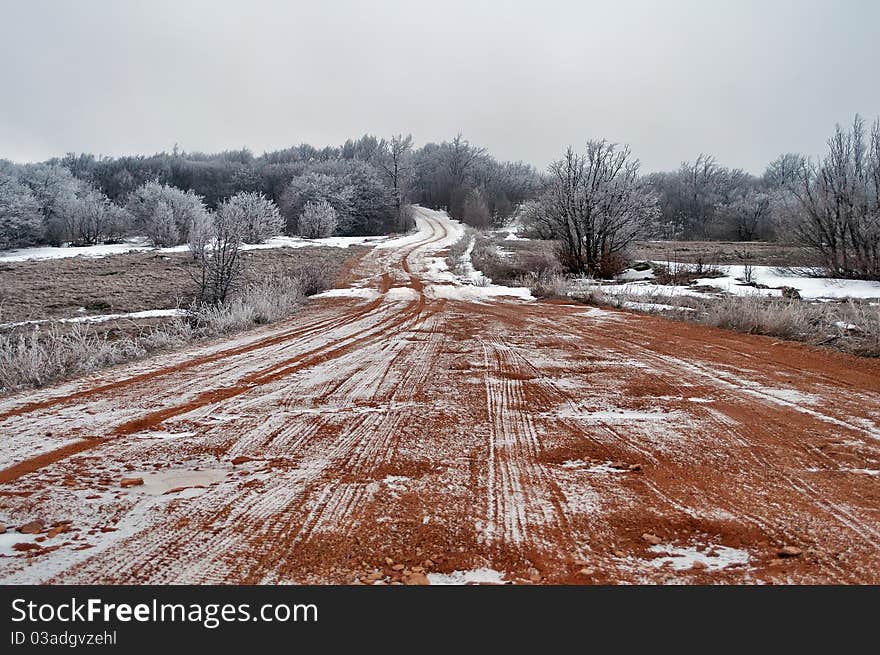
x: 410, y: 428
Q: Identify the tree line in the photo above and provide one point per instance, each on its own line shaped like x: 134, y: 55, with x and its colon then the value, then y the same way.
x: 594, y: 203
x: 361, y: 187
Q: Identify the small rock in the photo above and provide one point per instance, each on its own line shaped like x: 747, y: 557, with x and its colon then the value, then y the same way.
x: 34, y: 527
x: 698, y: 564
x: 635, y: 467
x: 241, y: 459
x: 389, y: 561
x: 2, y: 529
x: 652, y: 539
x: 25, y: 546
x: 131, y: 482
x: 397, y: 567
x: 416, y: 579
x: 789, y: 551
x: 54, y: 532
x: 418, y: 569
x: 586, y: 572
x: 428, y: 563
x: 619, y: 553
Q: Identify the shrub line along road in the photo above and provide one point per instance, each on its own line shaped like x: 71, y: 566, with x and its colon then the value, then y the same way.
x: 414, y: 423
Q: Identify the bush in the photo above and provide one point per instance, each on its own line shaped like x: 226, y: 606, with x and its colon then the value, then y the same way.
x: 317, y: 221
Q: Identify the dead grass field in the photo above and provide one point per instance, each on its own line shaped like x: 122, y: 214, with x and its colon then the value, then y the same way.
x: 133, y: 282
x: 723, y: 252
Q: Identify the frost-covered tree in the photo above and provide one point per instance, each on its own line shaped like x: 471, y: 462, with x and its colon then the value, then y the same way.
x: 840, y: 202
x: 56, y: 191
x: 318, y: 220
x: 200, y: 230
x: 476, y: 209
x: 315, y: 188
x: 219, y: 256
x: 164, y: 213
x: 92, y: 218
x: 595, y: 205
x: 261, y: 217
x: 20, y: 217
x: 395, y: 161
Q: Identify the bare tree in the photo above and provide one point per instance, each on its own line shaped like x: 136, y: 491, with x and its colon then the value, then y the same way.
x: 219, y: 261
x: 595, y: 205
x: 395, y: 163
x: 840, y: 198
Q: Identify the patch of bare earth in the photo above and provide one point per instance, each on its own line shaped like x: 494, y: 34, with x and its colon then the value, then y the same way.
x: 400, y: 438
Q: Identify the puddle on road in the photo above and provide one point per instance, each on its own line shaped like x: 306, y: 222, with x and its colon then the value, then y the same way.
x: 181, y: 483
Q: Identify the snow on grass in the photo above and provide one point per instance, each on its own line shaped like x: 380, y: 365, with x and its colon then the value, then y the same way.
x: 631, y: 275
x: 808, y: 287
x: 476, y: 576
x: 652, y: 306
x: 141, y: 244
x: 101, y: 318
x: 713, y: 558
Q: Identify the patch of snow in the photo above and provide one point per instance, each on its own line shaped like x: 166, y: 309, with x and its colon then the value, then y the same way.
x: 603, y: 468
x: 402, y: 293
x: 12, y: 537
x: 353, y: 292
x: 843, y: 325
x: 159, y: 483
x: 652, y: 307
x: 631, y: 275
x: 714, y: 558
x: 476, y: 576
x: 141, y: 244
x: 475, y: 293
x: 615, y: 415
x: 101, y: 318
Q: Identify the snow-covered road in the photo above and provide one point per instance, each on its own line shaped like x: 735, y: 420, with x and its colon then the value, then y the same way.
x: 411, y: 428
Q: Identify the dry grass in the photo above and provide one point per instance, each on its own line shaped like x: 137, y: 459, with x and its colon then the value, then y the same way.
x: 508, y: 261
x: 724, y: 252
x: 35, y: 356
x: 35, y: 290
x: 850, y: 326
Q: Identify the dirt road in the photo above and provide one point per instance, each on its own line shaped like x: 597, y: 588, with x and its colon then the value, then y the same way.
x: 410, y: 425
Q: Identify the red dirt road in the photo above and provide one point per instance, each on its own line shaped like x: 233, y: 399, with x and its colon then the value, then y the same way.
x: 415, y: 426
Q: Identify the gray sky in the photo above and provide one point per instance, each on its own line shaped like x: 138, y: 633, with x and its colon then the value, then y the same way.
x: 744, y: 80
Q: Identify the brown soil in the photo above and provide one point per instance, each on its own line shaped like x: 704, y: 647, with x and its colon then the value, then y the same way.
x: 381, y: 438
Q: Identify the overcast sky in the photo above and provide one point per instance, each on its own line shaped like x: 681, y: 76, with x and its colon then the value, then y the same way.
x: 742, y: 80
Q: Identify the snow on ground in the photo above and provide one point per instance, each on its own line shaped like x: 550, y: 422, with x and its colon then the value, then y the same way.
x: 652, y: 306
x: 638, y: 283
x: 776, y: 278
x: 471, y: 285
x: 140, y: 244
x: 476, y: 294
x: 353, y: 292
x: 477, y: 576
x: 713, y: 558
x: 101, y: 318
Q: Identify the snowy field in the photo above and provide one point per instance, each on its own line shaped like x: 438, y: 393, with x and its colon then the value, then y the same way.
x: 141, y: 244
x: 767, y: 281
